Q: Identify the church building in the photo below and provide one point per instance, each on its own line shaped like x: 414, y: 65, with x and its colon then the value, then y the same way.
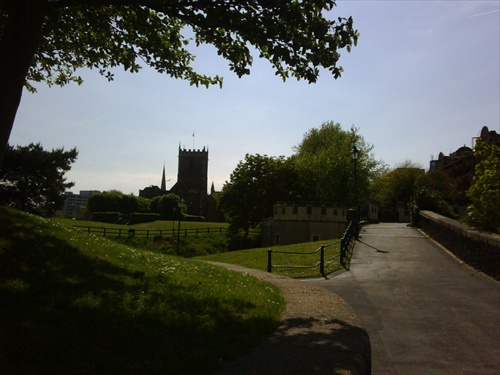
x: 191, y: 185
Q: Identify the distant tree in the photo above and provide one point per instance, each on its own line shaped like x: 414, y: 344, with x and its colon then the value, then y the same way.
x: 114, y: 201
x: 484, y: 212
x: 254, y: 187
x: 32, y: 179
x: 107, y: 201
x: 435, y: 191
x: 325, y: 162
x: 48, y: 40
x: 168, y: 206
x: 144, y: 204
x: 396, y: 186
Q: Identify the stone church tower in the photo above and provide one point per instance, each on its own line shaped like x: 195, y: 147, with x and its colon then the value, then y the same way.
x: 192, y: 180
x: 191, y: 185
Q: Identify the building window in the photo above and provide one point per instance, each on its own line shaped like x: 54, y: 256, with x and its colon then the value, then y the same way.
x: 277, y: 239
x: 309, y: 210
x: 275, y: 210
x: 283, y: 210
x: 335, y: 211
x: 295, y: 210
x: 323, y: 210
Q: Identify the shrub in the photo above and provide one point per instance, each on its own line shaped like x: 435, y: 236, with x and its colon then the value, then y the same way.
x: 138, y: 218
x: 106, y: 217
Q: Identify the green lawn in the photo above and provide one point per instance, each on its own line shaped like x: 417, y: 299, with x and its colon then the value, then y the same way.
x: 307, y: 257
x: 166, y: 225
x: 74, y: 303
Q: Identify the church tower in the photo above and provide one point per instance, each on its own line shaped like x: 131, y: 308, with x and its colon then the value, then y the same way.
x: 192, y: 179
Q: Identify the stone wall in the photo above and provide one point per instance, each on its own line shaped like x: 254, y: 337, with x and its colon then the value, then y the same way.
x: 478, y: 249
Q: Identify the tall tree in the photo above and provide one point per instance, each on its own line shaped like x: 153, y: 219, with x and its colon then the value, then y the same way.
x: 325, y: 160
x: 32, y: 179
x: 396, y: 186
x: 484, y: 211
x: 254, y: 187
x: 48, y: 40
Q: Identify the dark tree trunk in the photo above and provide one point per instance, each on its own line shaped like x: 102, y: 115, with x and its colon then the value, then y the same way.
x: 18, y: 43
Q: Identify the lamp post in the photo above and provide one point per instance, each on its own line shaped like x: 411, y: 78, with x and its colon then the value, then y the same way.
x: 355, y: 153
x: 179, y: 225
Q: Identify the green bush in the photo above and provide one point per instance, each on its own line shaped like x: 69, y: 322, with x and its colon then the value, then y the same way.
x: 484, y: 193
x: 139, y: 218
x: 193, y: 218
x: 106, y: 217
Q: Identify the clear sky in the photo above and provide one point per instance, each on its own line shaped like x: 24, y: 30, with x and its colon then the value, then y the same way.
x: 423, y: 79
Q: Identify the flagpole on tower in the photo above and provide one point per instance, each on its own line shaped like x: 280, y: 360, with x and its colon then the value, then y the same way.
x: 193, y: 141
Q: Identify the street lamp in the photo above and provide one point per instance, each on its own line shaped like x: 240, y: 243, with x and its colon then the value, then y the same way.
x: 355, y: 154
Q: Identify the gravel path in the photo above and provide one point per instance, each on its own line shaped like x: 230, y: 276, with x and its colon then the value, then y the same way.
x: 319, y: 334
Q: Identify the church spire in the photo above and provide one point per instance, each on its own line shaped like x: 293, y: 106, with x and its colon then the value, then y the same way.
x: 163, y: 181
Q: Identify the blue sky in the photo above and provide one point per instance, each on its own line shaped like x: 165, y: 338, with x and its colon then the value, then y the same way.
x: 424, y: 79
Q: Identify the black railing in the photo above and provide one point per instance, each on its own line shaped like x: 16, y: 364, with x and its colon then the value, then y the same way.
x: 346, y: 249
x: 119, y: 232
x: 347, y: 244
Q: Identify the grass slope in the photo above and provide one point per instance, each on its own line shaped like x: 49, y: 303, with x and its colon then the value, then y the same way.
x: 73, y: 303
x: 303, y: 256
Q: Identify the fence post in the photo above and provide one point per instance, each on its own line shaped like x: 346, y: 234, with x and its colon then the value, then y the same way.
x: 322, y: 261
x: 104, y: 232
x: 269, y: 260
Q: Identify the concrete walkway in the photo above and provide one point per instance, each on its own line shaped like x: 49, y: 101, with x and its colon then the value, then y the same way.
x: 425, y: 312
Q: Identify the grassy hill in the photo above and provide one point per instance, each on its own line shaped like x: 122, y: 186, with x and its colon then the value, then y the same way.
x: 73, y: 303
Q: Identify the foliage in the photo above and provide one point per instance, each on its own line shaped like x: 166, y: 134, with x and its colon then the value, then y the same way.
x: 396, y: 187
x: 433, y: 192
x: 147, y: 312
x: 106, y: 217
x: 321, y: 169
x: 32, y: 179
x: 255, y: 185
x: 484, y: 192
x: 47, y: 40
x: 324, y: 159
x: 116, y: 201
x: 167, y: 206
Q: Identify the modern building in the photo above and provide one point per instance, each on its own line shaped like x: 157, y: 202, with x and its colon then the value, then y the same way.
x: 75, y: 203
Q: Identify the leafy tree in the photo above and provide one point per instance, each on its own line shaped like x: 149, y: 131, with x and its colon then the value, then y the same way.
x: 434, y: 191
x: 254, y: 187
x: 48, y: 40
x: 484, y: 212
x: 397, y: 186
x: 167, y: 205
x: 325, y: 162
x: 114, y: 201
x: 32, y: 179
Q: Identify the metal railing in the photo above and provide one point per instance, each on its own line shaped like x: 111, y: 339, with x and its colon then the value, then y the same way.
x: 346, y: 249
x: 119, y: 232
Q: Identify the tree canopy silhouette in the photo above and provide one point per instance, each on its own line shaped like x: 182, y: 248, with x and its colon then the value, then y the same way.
x: 49, y: 40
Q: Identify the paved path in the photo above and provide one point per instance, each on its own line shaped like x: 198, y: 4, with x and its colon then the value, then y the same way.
x: 425, y: 312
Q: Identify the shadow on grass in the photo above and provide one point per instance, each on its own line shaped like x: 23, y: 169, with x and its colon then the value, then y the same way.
x: 299, y: 347
x: 64, y: 312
